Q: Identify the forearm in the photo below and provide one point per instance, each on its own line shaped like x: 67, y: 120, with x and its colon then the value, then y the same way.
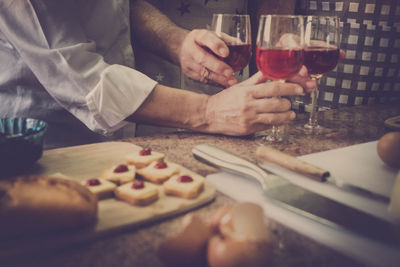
x: 172, y: 107
x: 242, y: 109
x: 155, y: 31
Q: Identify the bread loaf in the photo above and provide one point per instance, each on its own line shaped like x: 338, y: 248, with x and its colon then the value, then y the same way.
x: 31, y: 204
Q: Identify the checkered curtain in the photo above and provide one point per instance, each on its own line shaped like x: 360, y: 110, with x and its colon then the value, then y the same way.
x: 370, y: 36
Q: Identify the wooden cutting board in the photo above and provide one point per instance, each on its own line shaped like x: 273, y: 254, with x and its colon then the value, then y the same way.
x: 88, y: 161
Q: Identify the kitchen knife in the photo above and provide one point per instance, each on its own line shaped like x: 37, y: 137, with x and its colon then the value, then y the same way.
x: 296, y: 165
x: 299, y: 200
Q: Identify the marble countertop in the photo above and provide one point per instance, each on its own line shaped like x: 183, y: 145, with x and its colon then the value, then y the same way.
x: 352, y: 125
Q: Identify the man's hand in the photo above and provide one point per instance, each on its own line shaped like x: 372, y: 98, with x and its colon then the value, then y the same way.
x: 304, y: 80
x: 242, y: 109
x: 198, y: 62
x: 252, y: 106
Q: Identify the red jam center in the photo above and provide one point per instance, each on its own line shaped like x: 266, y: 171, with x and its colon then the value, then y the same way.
x: 121, y: 168
x: 185, y: 179
x: 93, y: 182
x: 138, y: 184
x: 145, y: 152
x: 161, y: 165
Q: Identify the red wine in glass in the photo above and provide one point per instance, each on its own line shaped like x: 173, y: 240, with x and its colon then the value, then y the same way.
x: 320, y: 60
x: 239, y: 56
x: 279, y: 55
x: 321, y: 55
x: 279, y: 64
x: 235, y: 31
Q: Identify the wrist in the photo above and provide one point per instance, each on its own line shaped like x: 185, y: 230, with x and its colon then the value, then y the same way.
x: 198, y: 119
x: 172, y: 107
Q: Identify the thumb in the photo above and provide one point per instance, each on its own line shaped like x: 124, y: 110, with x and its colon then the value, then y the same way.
x: 342, y: 54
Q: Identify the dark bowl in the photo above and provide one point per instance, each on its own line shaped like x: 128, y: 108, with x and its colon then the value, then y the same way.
x: 21, y: 144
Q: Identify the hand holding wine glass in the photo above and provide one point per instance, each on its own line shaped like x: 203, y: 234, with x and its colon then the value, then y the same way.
x: 321, y: 55
x: 279, y: 54
x: 212, y: 56
x: 235, y: 31
x: 198, y: 63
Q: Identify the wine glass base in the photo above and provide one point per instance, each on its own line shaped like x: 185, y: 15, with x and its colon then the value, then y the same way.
x: 271, y: 136
x: 315, y: 129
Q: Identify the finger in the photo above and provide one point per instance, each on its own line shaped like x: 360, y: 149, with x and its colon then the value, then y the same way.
x: 213, y: 42
x: 203, y: 58
x: 342, y: 54
x: 303, y: 71
x: 204, y: 75
x: 210, y: 78
x: 197, y: 73
x: 211, y: 61
x: 271, y: 105
x: 272, y: 89
x: 276, y: 118
x: 220, y: 79
x: 302, y: 79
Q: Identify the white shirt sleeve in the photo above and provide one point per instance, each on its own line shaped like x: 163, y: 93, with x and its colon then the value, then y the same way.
x: 49, y: 37
x: 116, y: 97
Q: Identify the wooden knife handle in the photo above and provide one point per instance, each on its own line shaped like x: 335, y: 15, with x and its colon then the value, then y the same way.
x: 282, y: 159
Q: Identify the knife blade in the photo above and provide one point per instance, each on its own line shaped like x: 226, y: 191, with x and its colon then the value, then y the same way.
x: 303, y: 202
x: 353, y: 197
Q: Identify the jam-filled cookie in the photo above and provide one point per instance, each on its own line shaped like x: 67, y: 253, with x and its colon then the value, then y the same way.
x: 158, y: 171
x: 143, y: 157
x: 184, y: 185
x: 120, y: 174
x: 137, y: 192
x: 100, y: 187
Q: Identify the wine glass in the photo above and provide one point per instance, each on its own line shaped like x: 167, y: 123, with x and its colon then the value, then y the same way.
x: 279, y: 55
x: 234, y: 30
x: 321, y: 55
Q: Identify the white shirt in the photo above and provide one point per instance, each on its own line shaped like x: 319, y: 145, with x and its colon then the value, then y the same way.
x: 73, y: 55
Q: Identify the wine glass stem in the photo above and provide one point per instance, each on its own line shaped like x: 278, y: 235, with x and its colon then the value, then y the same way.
x: 278, y: 132
x: 313, y: 120
x: 275, y: 132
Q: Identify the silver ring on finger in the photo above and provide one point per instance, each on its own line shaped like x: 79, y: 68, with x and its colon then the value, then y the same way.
x: 204, y: 75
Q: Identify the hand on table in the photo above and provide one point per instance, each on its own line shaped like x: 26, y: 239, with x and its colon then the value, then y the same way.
x: 199, y: 64
x: 251, y: 105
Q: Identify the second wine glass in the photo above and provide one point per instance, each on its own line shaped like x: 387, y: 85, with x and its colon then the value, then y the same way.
x: 321, y: 55
x: 235, y: 31
x: 279, y: 55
